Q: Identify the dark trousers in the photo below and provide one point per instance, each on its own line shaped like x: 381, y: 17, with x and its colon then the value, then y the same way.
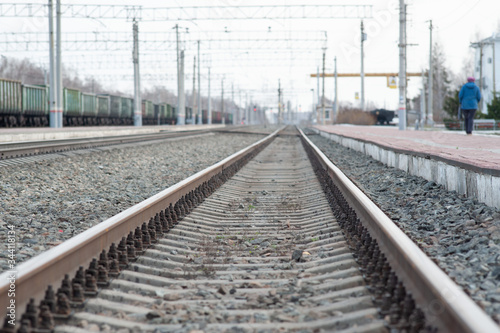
x: 468, y: 120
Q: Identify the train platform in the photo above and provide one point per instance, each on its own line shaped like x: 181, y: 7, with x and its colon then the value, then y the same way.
x: 21, y: 134
x: 469, y: 165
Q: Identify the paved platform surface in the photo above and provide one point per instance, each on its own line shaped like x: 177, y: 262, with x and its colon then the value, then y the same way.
x: 47, y: 133
x: 480, y: 152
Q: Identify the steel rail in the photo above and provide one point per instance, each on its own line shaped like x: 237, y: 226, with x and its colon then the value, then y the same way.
x: 444, y: 303
x: 22, y: 149
x: 34, y: 276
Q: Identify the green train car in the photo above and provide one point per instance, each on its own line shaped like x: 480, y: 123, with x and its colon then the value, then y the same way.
x: 35, y: 105
x: 10, y: 102
x: 148, y: 113
x: 89, y: 109
x: 29, y: 105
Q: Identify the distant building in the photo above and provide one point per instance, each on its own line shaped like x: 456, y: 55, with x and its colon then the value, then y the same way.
x: 329, y: 116
x: 487, y: 68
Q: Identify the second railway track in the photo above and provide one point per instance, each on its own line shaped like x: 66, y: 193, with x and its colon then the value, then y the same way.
x: 267, y: 252
x: 33, y: 148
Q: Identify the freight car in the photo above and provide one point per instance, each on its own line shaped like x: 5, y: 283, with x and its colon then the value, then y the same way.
x: 28, y: 105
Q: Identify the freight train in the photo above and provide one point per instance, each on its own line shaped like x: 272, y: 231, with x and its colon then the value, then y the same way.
x: 28, y: 105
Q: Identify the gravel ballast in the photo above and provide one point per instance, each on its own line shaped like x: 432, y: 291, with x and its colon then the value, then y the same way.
x: 461, y: 234
x: 50, y: 201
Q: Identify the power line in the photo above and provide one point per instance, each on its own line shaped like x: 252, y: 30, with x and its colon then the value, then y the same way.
x: 191, y: 13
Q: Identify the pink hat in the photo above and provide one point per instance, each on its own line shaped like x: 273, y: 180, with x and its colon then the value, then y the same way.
x: 471, y: 79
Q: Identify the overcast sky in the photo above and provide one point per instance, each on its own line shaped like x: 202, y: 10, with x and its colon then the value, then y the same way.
x: 255, y: 73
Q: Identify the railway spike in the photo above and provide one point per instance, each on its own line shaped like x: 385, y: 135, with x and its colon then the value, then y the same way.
x: 79, y: 276
x: 399, y: 293
x: 114, y: 268
x: 130, y: 238
x: 31, y: 313
x: 102, y: 276
x: 123, y: 259
x: 173, y: 214
x: 130, y: 252
x: 46, y: 319
x: 163, y: 221
x: 417, y: 321
x: 408, y: 307
x: 66, y: 287
x: 92, y: 270
x: 77, y: 293
x: 63, y: 307
x: 112, y: 253
x: 25, y: 327
x: 90, y: 284
x: 103, y: 260
x: 146, y: 238
x: 157, y: 225
x: 122, y: 246
x: 394, y: 313
x: 49, y: 299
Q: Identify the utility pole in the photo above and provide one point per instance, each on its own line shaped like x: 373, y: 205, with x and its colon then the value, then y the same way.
x: 181, y: 112
x: 247, y: 110
x: 323, y: 90
x: 234, y: 111
x: 402, y: 66
x: 494, y: 83
x: 137, y: 82
x: 200, y: 121
x: 279, y: 101
x: 181, y: 120
x: 58, y: 67
x: 430, y: 78
x: 336, y: 106
x: 193, y: 98
x: 319, y: 98
x: 480, y: 75
x: 209, y: 106
x: 222, y: 103
x: 422, y: 102
x: 52, y: 80
x: 363, y: 37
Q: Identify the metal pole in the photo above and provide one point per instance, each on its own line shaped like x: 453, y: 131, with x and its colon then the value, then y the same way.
x: 58, y: 84
x: 240, y: 122
x: 480, y: 75
x: 422, y: 101
x: 200, y: 121
x: 494, y: 83
x: 137, y: 81
x: 312, y: 105
x: 209, y: 106
x: 181, y: 120
x: 430, y: 80
x: 279, y: 101
x: 181, y: 113
x: 233, y: 113
x: 193, y: 97
x: 247, y: 110
x: 319, y: 98
x: 52, y: 81
x: 222, y: 103
x: 402, y: 67
x: 362, y: 69
x: 323, y: 91
x: 336, y: 107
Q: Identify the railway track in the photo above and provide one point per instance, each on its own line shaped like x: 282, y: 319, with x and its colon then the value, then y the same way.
x: 33, y: 148
x: 272, y: 239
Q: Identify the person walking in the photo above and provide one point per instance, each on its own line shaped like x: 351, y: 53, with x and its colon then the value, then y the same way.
x: 469, y: 97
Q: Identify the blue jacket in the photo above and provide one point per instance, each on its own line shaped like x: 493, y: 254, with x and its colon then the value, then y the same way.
x: 469, y: 96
